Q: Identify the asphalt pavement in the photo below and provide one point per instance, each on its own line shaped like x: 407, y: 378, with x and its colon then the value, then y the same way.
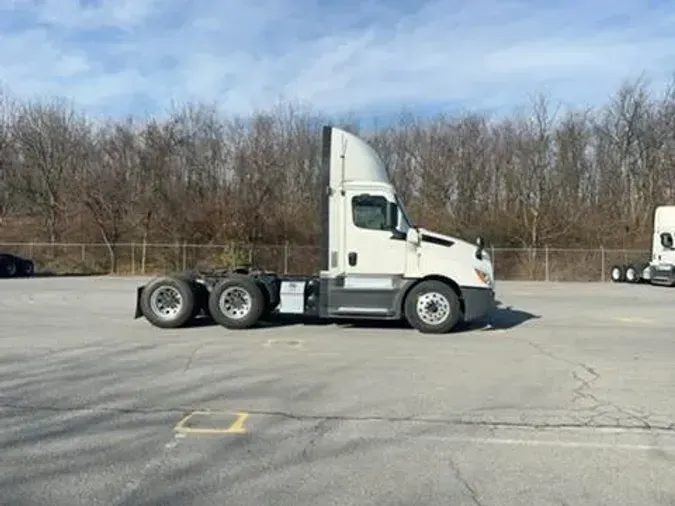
x: 564, y: 397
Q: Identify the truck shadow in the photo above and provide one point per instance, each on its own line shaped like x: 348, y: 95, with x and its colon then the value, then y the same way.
x: 50, y: 274
x: 501, y: 318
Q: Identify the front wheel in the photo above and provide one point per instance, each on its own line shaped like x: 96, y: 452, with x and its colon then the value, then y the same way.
x: 432, y: 307
x: 236, y: 303
x: 28, y: 268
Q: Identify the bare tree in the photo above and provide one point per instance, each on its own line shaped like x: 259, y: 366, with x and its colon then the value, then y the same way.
x: 7, y: 159
x: 48, y: 140
x: 543, y: 177
x: 110, y: 186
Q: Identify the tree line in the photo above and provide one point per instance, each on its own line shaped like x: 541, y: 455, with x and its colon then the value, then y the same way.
x: 542, y: 176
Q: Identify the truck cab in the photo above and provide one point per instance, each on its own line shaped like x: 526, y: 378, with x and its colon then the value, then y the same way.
x: 375, y: 263
x: 663, y: 249
x: 660, y: 269
x: 662, y: 265
x: 373, y: 255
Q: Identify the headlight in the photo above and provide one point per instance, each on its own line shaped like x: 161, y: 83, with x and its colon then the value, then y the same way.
x: 484, y: 277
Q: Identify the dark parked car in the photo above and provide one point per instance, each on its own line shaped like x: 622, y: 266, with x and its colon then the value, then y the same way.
x: 14, y: 266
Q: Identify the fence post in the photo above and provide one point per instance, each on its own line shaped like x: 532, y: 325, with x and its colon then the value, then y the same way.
x: 133, y: 259
x: 83, y: 253
x: 546, y: 264
x: 286, y: 252
x: 184, y: 255
x: 602, y: 263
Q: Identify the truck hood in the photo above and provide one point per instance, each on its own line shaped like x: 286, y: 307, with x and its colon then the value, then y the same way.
x: 466, y: 248
x: 440, y: 251
x: 441, y: 237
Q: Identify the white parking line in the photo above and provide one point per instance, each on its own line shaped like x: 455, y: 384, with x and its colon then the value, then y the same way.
x: 550, y: 443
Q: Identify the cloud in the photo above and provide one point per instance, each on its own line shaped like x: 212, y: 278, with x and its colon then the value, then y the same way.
x: 139, y: 56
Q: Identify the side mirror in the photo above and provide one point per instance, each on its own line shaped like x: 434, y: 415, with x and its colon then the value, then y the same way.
x: 392, y: 216
x: 666, y: 240
x: 413, y: 236
x: 480, y: 243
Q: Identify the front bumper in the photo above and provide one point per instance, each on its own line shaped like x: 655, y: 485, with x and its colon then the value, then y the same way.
x: 478, y: 302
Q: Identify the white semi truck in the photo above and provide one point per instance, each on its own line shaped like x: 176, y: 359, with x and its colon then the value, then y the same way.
x: 375, y: 263
x: 661, y: 269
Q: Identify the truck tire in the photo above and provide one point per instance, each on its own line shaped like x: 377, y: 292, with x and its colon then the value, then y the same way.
x: 618, y: 273
x: 432, y: 307
x: 632, y: 274
x: 168, y: 302
x: 236, y: 303
x: 28, y: 268
x: 8, y: 267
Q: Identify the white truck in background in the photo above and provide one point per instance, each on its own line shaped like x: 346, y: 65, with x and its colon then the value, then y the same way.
x: 660, y: 270
x: 375, y: 263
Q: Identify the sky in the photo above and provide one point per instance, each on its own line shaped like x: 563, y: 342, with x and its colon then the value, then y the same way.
x: 119, y: 57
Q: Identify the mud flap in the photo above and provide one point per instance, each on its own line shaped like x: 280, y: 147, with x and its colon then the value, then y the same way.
x: 139, y: 311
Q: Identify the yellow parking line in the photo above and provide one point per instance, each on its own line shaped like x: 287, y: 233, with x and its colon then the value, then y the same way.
x: 236, y: 428
x: 624, y: 319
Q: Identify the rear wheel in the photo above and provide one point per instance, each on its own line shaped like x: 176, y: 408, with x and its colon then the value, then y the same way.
x: 8, y: 267
x: 618, y: 273
x: 432, y: 307
x: 168, y: 302
x: 236, y: 303
x: 632, y: 274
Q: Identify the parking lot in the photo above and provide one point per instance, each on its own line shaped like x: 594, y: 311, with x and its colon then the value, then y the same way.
x: 565, y: 398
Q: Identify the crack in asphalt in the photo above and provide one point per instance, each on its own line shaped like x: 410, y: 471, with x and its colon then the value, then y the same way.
x: 582, y: 390
x: 451, y: 421
x: 192, y: 356
x: 320, y: 429
x: 473, y: 493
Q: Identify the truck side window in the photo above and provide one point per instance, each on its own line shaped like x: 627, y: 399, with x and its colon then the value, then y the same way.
x: 370, y: 212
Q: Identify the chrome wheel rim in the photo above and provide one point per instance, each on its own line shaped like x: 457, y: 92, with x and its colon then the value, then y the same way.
x: 11, y: 269
x: 433, y: 308
x: 166, y: 302
x: 235, y: 303
x: 630, y: 274
x: 615, y: 273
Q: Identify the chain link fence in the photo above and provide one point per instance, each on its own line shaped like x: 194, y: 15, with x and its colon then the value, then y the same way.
x: 558, y: 264
x: 544, y: 264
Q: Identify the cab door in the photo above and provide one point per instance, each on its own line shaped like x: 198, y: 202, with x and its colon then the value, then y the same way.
x: 375, y: 254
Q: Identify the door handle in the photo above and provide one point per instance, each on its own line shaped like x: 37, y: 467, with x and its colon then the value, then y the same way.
x: 352, y: 258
